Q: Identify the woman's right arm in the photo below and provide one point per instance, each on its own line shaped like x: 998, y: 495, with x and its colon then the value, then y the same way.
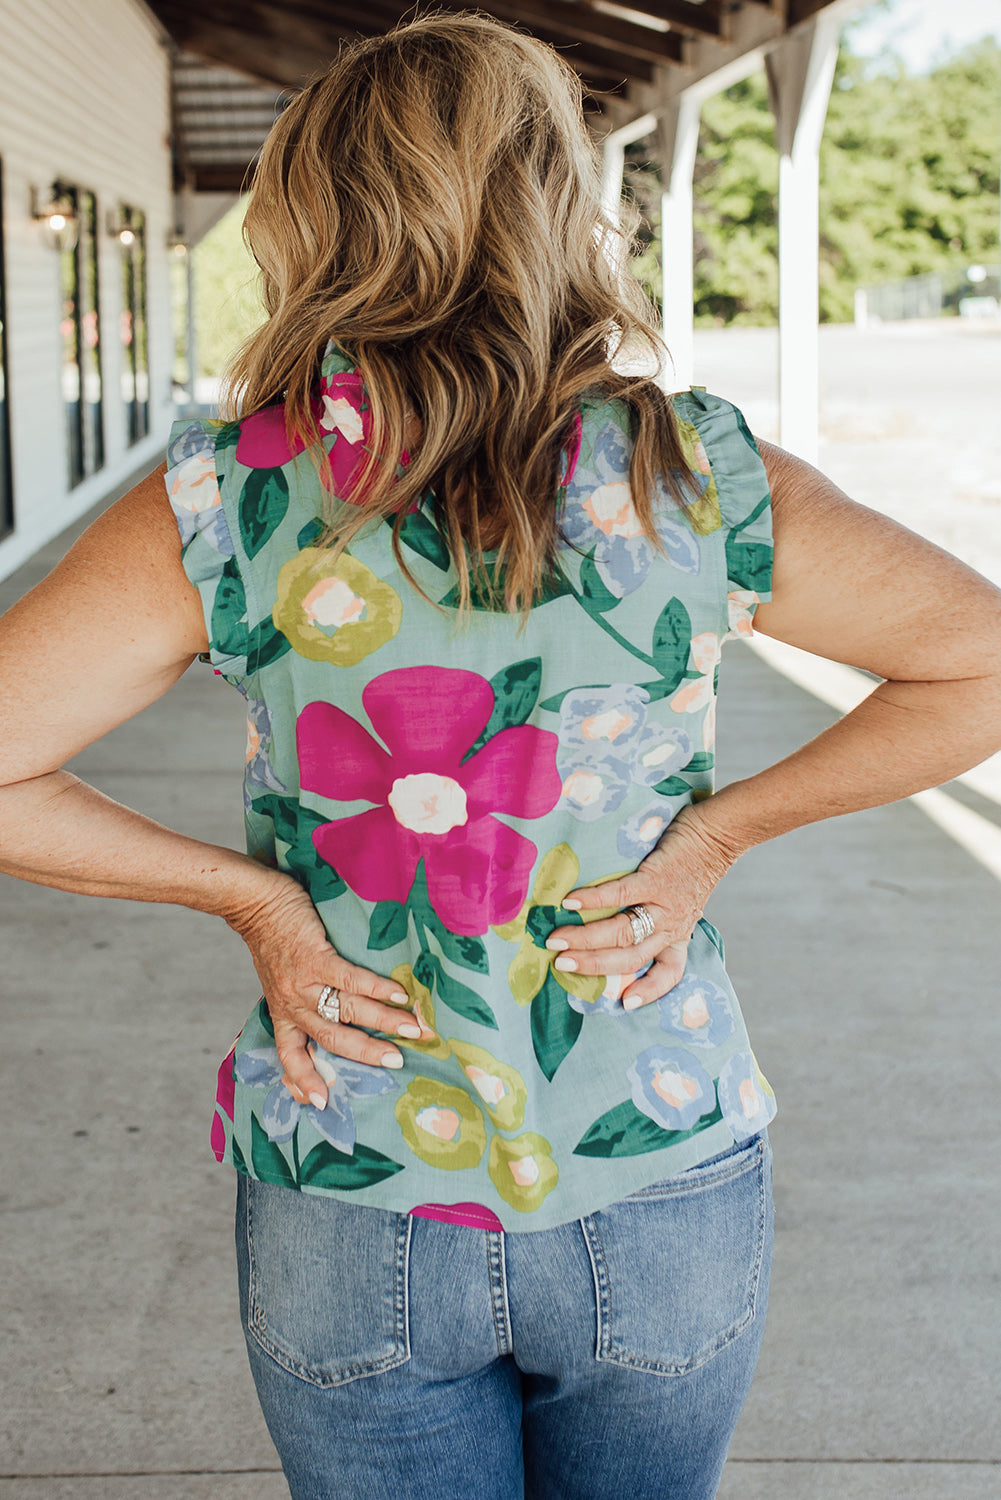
x: 108, y: 632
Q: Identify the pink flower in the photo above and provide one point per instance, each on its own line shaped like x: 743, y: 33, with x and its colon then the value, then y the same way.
x: 339, y: 408
x: 430, y: 803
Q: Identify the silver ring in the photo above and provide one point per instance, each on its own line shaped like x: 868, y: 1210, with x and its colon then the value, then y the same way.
x: 641, y: 922
x: 329, y: 1004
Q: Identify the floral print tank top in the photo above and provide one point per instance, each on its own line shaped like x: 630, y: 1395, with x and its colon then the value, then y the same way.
x: 438, y: 788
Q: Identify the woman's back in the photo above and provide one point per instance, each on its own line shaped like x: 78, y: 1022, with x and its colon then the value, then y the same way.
x: 440, y: 784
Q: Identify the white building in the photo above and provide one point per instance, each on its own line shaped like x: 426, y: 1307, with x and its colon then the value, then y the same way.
x: 126, y: 127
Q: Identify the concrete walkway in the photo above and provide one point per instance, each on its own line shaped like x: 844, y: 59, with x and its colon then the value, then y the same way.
x: 866, y: 953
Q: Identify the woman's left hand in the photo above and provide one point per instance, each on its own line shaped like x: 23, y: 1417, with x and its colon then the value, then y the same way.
x: 673, y: 883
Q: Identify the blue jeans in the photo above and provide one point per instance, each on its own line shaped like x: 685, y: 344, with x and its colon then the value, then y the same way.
x: 610, y: 1356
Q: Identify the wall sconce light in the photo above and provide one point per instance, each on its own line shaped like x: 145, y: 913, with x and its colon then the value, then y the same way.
x: 177, y: 246
x: 56, y: 211
x: 121, y: 227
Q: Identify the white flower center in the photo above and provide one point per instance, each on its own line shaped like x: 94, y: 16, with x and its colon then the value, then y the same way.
x: 674, y: 1088
x: 443, y: 1123
x: 606, y: 726
x: 426, y: 803
x: 610, y: 508
x: 695, y: 1012
x: 339, y: 414
x: 525, y: 1171
x: 489, y: 1087
x: 332, y: 602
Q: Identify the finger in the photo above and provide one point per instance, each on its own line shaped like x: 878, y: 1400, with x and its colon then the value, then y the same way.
x: 623, y: 890
x: 356, y: 1010
x: 618, y: 960
x: 352, y: 980
x: 610, y: 932
x: 662, y: 976
x: 301, y: 1077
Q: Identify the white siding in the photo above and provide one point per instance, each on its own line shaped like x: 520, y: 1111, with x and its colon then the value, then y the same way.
x: 85, y: 97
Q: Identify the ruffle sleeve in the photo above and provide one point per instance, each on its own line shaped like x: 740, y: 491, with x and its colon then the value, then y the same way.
x: 744, y: 501
x: 208, y: 554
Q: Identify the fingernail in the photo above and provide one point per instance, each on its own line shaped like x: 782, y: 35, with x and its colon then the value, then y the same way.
x: 632, y: 1002
x: 399, y: 999
x: 407, y: 1030
x: 318, y: 1100
x: 392, y: 1060
x: 566, y: 965
x: 569, y: 904
x: 557, y: 944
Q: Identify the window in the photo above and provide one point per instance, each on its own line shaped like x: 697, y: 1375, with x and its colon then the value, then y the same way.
x: 135, y: 356
x: 6, y: 488
x: 81, y: 336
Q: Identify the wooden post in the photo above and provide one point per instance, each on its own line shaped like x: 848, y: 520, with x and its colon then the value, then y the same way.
x: 679, y: 138
x: 800, y: 71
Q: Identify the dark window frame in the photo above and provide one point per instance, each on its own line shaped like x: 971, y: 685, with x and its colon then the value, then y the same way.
x: 135, y: 324
x: 6, y: 468
x: 80, y: 284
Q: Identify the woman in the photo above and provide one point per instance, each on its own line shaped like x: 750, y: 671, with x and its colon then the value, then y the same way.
x: 504, y: 1217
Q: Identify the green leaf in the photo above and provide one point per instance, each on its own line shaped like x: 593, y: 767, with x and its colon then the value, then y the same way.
x: 269, y: 644
x: 493, y: 602
x: 227, y: 436
x: 748, y: 564
x: 326, y: 1167
x: 672, y: 786
x: 309, y: 533
x: 264, y: 1015
x: 598, y: 599
x: 702, y: 760
x: 467, y: 952
x: 516, y: 692
x: 269, y: 1161
x: 555, y: 1026
x: 321, y: 880
x: 295, y: 826
x: 263, y: 503
x: 715, y: 937
x: 239, y: 1160
x: 423, y: 537
x: 552, y: 705
x: 426, y: 969
x: 672, y: 640
x: 387, y: 925
x: 229, y: 612
x: 627, y: 1131
x: 459, y: 997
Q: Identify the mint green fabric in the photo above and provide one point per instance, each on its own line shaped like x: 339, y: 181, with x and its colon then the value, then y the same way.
x: 438, y: 787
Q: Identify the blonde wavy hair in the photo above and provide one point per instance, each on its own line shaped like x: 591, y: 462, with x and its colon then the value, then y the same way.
x: 433, y: 204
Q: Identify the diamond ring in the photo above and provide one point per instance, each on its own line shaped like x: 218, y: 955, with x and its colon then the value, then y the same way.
x: 329, y: 1003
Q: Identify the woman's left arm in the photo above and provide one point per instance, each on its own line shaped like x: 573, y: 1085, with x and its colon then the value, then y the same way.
x: 854, y: 586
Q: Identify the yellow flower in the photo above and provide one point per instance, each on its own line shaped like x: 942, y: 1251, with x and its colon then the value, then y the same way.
x: 501, y: 1087
x: 334, y: 611
x: 422, y: 1005
x: 526, y: 975
x: 523, y: 1170
x: 703, y: 514
x: 441, y: 1124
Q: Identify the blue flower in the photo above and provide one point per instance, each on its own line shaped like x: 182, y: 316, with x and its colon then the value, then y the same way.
x: 259, y: 774
x: 607, y: 743
x: 261, y: 1069
x: 599, y: 517
x: 609, y: 1002
x: 745, y: 1096
x: 193, y: 490
x: 639, y: 834
x: 671, y: 1087
x: 697, y: 1010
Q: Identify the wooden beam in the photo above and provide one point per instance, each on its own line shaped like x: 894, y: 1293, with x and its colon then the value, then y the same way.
x: 598, y: 61
x: 583, y: 23
x: 707, y: 20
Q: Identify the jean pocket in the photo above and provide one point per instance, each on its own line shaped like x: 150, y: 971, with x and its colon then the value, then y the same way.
x: 678, y: 1265
x: 326, y: 1283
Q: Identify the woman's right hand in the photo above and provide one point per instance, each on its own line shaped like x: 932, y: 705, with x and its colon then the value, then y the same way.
x: 294, y: 960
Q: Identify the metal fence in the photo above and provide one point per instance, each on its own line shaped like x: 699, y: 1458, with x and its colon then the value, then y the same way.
x: 970, y: 293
